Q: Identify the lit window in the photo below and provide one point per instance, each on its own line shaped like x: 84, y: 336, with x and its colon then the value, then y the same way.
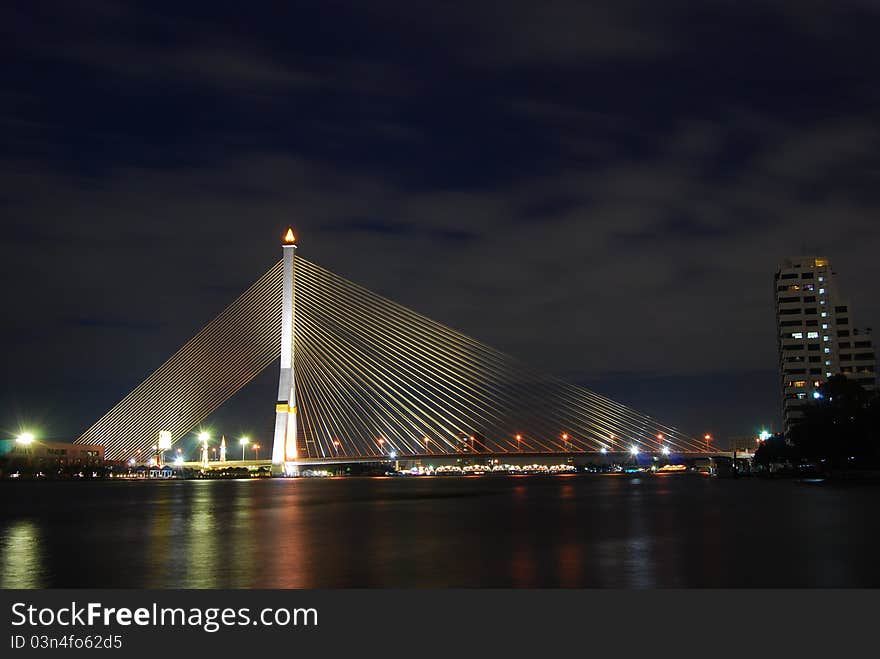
x: 801, y: 396
x: 827, y: 375
x: 800, y: 335
x: 824, y: 314
x: 826, y: 338
x: 821, y: 301
x: 821, y: 291
x: 812, y: 335
x: 821, y: 279
x: 798, y: 383
x: 827, y: 350
x: 824, y: 325
x: 828, y: 362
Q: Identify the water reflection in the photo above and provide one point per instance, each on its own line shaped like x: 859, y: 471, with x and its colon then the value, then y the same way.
x: 583, y: 531
x: 21, y: 560
x: 199, y: 551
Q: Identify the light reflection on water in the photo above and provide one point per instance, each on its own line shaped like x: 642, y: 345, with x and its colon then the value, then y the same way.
x: 590, y: 531
x: 21, y: 564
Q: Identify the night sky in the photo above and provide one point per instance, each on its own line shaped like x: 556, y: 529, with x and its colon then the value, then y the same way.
x: 601, y: 189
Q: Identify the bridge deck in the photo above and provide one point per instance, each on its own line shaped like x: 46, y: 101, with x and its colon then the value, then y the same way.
x: 515, y: 457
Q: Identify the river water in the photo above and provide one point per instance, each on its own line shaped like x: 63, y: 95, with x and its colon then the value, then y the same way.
x: 611, y: 530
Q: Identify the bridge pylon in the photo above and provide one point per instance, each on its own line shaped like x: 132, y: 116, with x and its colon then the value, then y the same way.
x: 284, y: 451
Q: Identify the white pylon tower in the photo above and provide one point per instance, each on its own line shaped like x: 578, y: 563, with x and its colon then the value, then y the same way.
x: 284, y: 443
x: 223, y: 448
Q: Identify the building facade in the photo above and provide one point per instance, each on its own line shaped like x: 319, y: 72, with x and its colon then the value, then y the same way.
x: 816, y: 335
x: 743, y: 445
x: 61, y: 451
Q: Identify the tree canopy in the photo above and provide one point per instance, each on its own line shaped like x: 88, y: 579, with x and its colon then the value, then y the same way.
x: 841, y: 423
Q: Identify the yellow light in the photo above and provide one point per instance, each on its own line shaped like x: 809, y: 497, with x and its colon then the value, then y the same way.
x: 289, y: 238
x: 243, y: 441
x: 25, y: 439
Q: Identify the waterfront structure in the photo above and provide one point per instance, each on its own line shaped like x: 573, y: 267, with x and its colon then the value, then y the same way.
x: 743, y: 445
x: 62, y: 451
x: 816, y: 334
x: 284, y: 442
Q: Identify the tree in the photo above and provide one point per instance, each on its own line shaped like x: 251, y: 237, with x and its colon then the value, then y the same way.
x: 840, y: 424
x: 776, y: 449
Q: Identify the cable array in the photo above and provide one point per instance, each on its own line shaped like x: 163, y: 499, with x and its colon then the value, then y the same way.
x: 208, y: 370
x: 373, y: 378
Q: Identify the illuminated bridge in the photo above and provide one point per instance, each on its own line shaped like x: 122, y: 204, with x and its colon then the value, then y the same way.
x: 363, y: 377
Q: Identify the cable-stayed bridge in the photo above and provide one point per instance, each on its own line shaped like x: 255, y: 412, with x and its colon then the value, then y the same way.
x: 363, y: 377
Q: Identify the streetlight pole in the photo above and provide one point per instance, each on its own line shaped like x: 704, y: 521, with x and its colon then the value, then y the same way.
x: 244, y: 442
x: 25, y: 439
x: 204, y: 437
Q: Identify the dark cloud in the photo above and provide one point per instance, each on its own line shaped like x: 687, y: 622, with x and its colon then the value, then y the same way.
x: 603, y: 189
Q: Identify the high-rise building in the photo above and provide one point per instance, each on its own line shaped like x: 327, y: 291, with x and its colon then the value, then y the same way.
x: 816, y: 334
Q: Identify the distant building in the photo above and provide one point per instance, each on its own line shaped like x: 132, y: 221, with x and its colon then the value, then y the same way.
x: 742, y: 444
x: 10, y: 448
x: 816, y: 335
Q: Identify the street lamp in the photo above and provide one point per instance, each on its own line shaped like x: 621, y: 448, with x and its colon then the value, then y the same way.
x: 25, y: 439
x: 634, y: 450
x: 336, y: 446
x: 244, y: 441
x: 518, y: 442
x: 203, y: 438
x: 708, y: 439
x: 565, y: 439
x: 256, y: 451
x: 427, y: 441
